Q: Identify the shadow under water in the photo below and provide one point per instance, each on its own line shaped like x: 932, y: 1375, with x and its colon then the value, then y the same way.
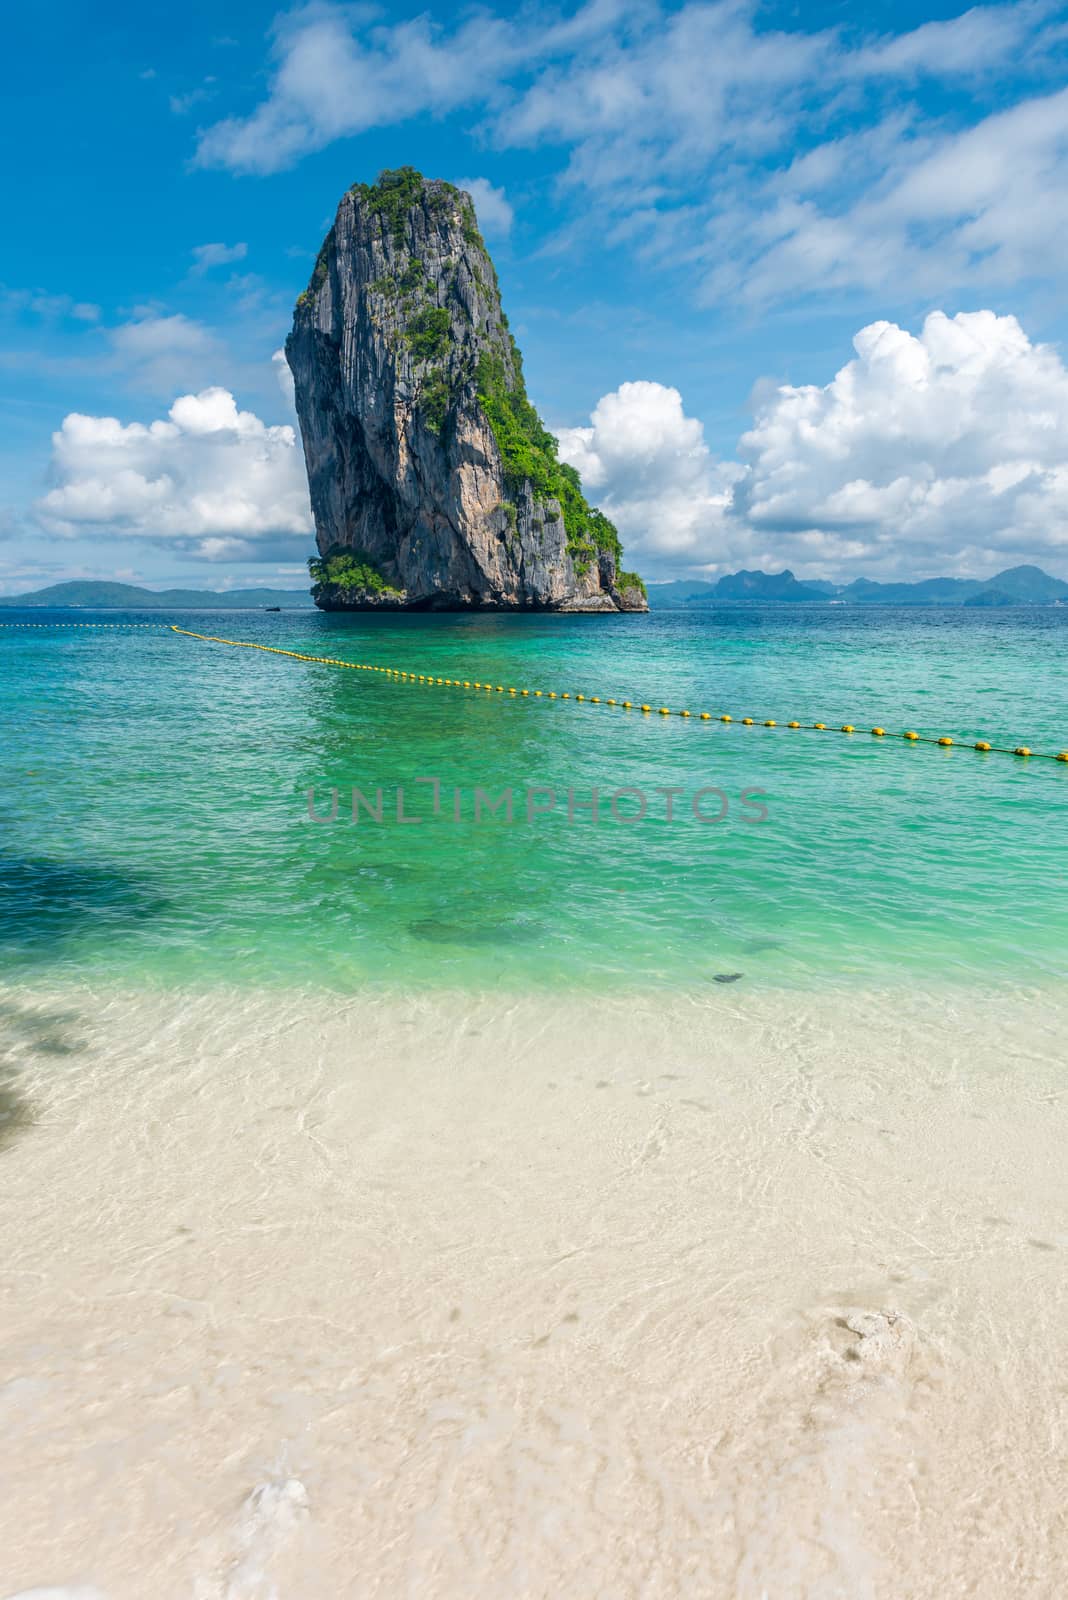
x: 15, y: 1111
x: 45, y: 904
x: 24, y: 1034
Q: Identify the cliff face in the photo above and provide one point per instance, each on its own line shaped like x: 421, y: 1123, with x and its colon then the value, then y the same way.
x: 433, y: 483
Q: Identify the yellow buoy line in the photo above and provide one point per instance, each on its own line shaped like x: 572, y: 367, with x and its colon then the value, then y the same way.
x: 622, y: 705
x: 114, y: 627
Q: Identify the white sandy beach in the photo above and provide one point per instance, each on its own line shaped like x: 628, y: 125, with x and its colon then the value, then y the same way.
x: 753, y: 1297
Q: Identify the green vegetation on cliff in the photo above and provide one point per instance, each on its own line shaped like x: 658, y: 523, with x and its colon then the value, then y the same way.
x: 529, y: 452
x: 319, y: 271
x: 427, y: 335
x: 394, y: 194
x: 345, y: 571
x: 630, y: 580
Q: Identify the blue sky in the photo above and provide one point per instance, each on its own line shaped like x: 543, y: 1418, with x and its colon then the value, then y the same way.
x: 695, y: 211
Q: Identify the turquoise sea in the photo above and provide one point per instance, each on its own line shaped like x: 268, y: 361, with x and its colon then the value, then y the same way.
x: 542, y: 1206
x: 155, y: 800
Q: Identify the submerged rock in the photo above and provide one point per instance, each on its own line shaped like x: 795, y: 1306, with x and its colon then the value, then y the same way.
x: 433, y: 482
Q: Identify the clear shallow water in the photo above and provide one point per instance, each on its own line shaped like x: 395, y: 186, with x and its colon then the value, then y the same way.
x: 156, y: 829
x: 533, y: 1296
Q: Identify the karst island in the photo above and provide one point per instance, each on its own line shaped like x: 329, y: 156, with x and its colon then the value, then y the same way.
x: 434, y: 484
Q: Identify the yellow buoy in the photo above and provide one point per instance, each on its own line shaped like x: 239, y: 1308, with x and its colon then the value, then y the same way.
x: 770, y: 723
x: 748, y: 721
x: 706, y: 716
x: 793, y: 724
x: 595, y: 699
x: 847, y: 727
x: 819, y: 725
x: 910, y: 735
x: 537, y: 694
x: 524, y: 692
x: 878, y: 732
x: 627, y: 705
x: 1062, y: 755
x: 511, y: 691
x: 665, y: 711
x: 981, y: 744
x: 684, y: 713
x: 609, y: 702
x: 580, y: 697
x: 945, y: 741
x: 647, y: 708
x: 725, y: 718
x: 565, y: 696
x: 552, y: 694
x: 1021, y: 750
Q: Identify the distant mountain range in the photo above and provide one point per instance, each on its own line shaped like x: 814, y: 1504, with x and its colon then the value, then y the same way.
x: 1016, y: 586
x: 127, y: 597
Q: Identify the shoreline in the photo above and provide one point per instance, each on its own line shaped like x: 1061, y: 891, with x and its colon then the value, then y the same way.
x: 505, y: 1295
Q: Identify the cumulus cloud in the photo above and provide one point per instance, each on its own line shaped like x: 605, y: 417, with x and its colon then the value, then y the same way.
x: 648, y: 466
x: 943, y: 451
x: 954, y: 440
x: 492, y: 207
x: 206, y: 256
x: 208, y: 478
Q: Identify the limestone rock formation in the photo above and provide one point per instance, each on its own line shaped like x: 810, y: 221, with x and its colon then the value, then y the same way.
x: 433, y: 483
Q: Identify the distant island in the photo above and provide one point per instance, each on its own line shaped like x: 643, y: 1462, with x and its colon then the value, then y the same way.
x: 1016, y: 586
x: 127, y: 597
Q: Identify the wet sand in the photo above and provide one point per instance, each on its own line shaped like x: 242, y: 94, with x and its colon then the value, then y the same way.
x: 398, y: 1297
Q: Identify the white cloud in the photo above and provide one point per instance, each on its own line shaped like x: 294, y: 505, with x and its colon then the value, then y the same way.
x: 163, y: 353
x: 966, y: 44
x: 285, y: 380
x: 206, y: 256
x: 330, y: 83
x: 983, y: 207
x: 954, y: 441
x: 49, y: 307
x: 209, y: 477
x: 182, y: 104
x: 647, y: 465
x: 770, y: 162
x: 492, y: 207
x: 945, y: 451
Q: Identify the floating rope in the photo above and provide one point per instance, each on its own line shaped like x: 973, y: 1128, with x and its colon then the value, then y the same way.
x: 599, y: 700
x: 116, y: 626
